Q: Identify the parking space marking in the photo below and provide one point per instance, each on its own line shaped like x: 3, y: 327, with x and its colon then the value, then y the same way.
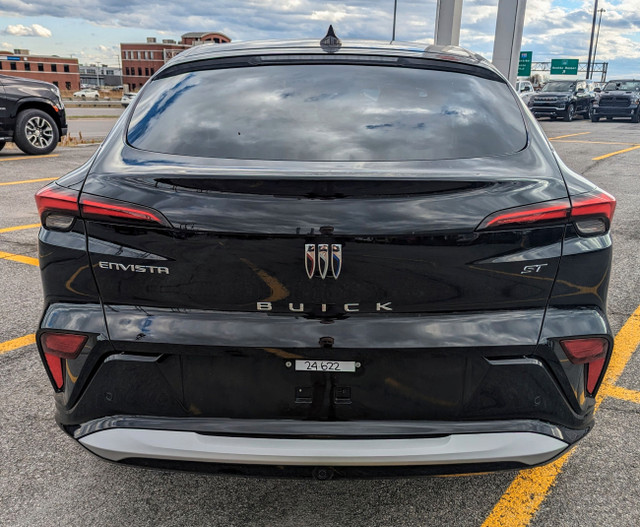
x: 19, y: 258
x: 521, y: 501
x: 20, y: 227
x: 622, y: 393
x: 4, y: 184
x: 568, y: 135
x: 616, y: 153
x: 20, y: 158
x: 14, y: 344
x: 595, y: 142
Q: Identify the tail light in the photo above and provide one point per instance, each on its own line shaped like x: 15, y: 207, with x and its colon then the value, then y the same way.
x: 60, y: 206
x: 540, y: 212
x: 591, y: 213
x: 58, y: 347
x: 590, y: 351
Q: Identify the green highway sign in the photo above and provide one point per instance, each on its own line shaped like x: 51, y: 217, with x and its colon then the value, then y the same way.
x: 564, y: 67
x: 524, y: 66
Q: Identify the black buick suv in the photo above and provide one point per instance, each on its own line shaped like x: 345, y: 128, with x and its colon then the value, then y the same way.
x: 32, y: 115
x: 328, y: 258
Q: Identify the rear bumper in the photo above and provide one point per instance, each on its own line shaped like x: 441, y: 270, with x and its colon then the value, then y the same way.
x: 118, y: 444
x: 147, y: 397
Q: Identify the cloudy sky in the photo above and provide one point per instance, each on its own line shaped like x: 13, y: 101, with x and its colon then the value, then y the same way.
x: 91, y: 30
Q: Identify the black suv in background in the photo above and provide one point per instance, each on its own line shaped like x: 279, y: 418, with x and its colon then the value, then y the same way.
x: 564, y: 99
x: 620, y: 98
x: 31, y: 115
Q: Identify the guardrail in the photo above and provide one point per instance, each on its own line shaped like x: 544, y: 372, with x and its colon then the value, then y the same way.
x: 100, y: 103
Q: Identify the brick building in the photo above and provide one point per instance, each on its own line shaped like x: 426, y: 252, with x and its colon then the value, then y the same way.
x: 143, y: 59
x: 61, y: 71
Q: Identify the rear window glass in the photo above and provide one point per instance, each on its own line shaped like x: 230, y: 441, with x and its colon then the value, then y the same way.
x: 327, y: 112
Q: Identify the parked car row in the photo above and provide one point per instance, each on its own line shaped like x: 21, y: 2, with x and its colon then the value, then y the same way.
x: 566, y: 99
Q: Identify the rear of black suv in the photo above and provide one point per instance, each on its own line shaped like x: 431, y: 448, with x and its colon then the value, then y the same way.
x: 289, y: 261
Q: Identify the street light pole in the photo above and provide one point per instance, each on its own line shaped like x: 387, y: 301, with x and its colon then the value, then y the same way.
x: 595, y: 47
x: 593, y: 30
x: 395, y: 10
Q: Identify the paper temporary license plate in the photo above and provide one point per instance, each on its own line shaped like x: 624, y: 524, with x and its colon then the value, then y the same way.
x: 326, y: 365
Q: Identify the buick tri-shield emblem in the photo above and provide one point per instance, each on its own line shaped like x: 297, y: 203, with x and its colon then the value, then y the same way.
x: 322, y: 258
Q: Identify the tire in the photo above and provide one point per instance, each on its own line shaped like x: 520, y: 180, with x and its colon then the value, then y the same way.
x: 569, y: 113
x: 96, y: 97
x: 635, y: 118
x: 609, y: 118
x: 2, y: 143
x: 83, y: 96
x: 589, y: 113
x: 36, y: 132
x: 595, y: 118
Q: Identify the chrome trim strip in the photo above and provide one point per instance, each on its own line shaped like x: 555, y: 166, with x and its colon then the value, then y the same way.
x: 117, y: 444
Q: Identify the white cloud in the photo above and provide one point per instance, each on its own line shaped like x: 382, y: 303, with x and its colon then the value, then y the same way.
x: 34, y: 30
x: 5, y: 46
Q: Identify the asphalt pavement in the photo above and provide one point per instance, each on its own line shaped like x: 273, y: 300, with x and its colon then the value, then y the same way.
x: 47, y: 479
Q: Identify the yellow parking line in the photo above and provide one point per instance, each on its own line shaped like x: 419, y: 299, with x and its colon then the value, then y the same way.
x: 622, y: 393
x: 616, y: 153
x: 20, y: 158
x: 568, y: 135
x: 14, y: 344
x: 527, y: 491
x: 20, y: 227
x: 595, y: 142
x: 19, y: 258
x: 27, y: 181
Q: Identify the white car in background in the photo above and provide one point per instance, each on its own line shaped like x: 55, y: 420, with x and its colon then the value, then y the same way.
x: 87, y: 94
x: 525, y: 90
x: 127, y: 98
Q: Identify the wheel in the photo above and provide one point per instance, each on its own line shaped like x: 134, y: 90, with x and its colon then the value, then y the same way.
x: 36, y: 132
x: 589, y: 113
x: 635, y: 118
x: 96, y: 97
x: 595, y: 118
x: 609, y: 118
x: 83, y: 96
x: 569, y: 113
x: 2, y: 143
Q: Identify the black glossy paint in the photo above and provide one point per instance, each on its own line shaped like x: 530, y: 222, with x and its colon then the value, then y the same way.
x: 470, y: 332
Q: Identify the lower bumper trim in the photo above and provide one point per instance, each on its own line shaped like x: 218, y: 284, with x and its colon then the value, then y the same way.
x: 118, y: 444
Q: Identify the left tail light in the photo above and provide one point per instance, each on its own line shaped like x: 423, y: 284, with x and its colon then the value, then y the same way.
x: 591, y: 351
x: 58, y: 347
x: 60, y: 206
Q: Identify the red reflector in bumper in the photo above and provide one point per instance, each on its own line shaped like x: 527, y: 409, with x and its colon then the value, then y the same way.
x: 63, y: 345
x: 55, y: 368
x: 590, y: 351
x: 56, y: 348
x: 585, y: 350
x: 594, y: 371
